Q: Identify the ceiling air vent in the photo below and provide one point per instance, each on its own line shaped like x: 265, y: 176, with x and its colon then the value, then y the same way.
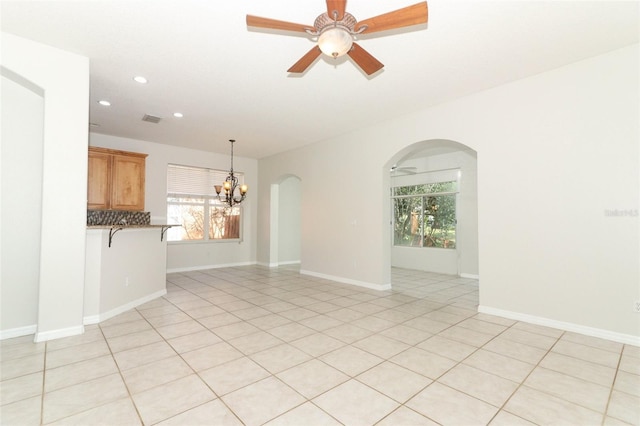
x: 151, y: 118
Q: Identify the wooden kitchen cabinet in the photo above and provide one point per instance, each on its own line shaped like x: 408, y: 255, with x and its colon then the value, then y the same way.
x: 99, y: 188
x: 127, y: 182
x: 116, y: 180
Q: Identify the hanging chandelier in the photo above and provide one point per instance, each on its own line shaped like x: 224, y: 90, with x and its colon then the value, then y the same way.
x: 230, y: 185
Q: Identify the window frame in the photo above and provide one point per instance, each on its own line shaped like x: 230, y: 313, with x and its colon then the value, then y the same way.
x: 207, y: 202
x: 439, y: 176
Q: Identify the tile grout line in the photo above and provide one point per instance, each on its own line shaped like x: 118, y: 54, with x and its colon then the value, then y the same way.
x: 218, y: 397
x: 462, y: 361
x: 400, y: 404
x: 148, y: 344
x: 415, y: 345
x: 124, y: 382
x: 273, y: 375
x: 615, y: 376
x: 44, y: 375
x: 256, y: 281
x: 521, y: 384
x: 97, y: 406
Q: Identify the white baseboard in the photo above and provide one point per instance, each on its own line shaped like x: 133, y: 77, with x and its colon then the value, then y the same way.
x: 472, y: 276
x: 231, y: 265
x: 43, y: 336
x: 561, y: 325
x: 18, y: 332
x: 204, y: 267
x: 72, y: 331
x: 379, y: 287
x: 276, y: 264
x: 95, y: 319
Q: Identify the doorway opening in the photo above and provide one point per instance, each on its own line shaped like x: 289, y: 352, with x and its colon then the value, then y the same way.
x: 433, y: 208
x: 285, y: 221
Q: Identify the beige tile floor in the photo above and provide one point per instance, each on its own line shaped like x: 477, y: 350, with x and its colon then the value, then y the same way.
x: 254, y: 346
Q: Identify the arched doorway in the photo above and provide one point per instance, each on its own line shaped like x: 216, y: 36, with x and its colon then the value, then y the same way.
x: 285, y: 221
x: 22, y: 149
x: 433, y: 208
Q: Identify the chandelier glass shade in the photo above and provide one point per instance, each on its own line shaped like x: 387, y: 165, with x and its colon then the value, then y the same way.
x: 230, y: 185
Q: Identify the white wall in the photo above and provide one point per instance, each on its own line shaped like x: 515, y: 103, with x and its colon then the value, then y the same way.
x: 191, y: 256
x: 555, y: 151
x: 130, y: 272
x: 560, y: 159
x: 341, y: 209
x: 467, y: 206
x: 64, y: 79
x: 21, y: 145
x: 289, y: 221
x: 464, y: 259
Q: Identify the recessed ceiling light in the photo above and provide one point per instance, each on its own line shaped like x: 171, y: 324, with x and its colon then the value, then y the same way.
x: 94, y: 125
x: 178, y: 114
x: 104, y: 103
x: 140, y: 79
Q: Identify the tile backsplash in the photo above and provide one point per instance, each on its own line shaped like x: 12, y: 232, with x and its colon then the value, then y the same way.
x: 117, y: 217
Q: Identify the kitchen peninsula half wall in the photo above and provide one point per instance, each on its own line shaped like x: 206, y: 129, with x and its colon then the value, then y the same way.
x: 126, y: 263
x: 126, y: 256
x: 129, y: 273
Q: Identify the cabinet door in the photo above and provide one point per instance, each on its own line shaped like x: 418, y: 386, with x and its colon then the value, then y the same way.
x: 99, y: 187
x: 127, y: 180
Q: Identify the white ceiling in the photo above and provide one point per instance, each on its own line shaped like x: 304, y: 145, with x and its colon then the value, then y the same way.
x: 231, y: 82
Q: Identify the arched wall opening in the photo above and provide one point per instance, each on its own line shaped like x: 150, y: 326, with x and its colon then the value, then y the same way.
x: 285, y: 221
x: 429, y: 162
x: 22, y: 151
x: 63, y: 79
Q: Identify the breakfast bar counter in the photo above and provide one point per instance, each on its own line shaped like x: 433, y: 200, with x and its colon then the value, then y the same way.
x: 115, y: 228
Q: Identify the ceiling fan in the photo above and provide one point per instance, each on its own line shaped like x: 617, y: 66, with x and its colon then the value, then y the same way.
x: 336, y: 30
x: 395, y: 170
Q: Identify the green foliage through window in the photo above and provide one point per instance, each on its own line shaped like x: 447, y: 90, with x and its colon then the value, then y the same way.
x: 425, y: 215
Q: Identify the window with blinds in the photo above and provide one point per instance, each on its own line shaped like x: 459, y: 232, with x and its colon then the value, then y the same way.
x: 192, y: 202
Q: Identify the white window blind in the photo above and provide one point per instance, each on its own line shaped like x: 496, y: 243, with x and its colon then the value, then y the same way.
x: 185, y: 180
x: 426, y: 177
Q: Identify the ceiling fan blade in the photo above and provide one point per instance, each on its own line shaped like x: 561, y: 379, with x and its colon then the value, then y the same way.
x: 257, y: 21
x: 405, y: 17
x: 365, y: 61
x: 306, y: 60
x: 338, y: 6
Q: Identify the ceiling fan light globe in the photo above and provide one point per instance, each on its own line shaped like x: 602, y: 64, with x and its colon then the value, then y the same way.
x: 335, y: 42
